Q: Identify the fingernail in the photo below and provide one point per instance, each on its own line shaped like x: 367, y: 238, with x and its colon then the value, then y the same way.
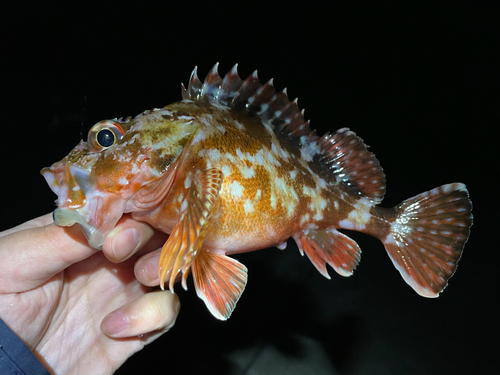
x: 114, y: 323
x: 125, y: 243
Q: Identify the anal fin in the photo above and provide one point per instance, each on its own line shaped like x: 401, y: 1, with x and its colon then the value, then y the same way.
x: 329, y: 246
x: 219, y: 282
x: 186, y: 238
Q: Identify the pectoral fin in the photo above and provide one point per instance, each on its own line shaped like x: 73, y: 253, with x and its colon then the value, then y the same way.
x: 186, y: 238
x: 329, y: 246
x: 219, y: 282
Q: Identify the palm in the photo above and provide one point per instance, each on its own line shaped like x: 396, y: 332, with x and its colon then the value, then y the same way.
x: 58, y: 314
x: 67, y: 311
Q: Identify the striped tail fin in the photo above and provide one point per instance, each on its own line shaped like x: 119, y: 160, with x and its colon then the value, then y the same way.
x: 427, y: 237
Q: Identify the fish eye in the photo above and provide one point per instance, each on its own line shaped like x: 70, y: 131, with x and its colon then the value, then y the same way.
x: 105, y: 138
x: 104, y: 134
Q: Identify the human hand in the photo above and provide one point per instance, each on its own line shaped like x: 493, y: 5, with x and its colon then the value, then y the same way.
x: 77, y: 311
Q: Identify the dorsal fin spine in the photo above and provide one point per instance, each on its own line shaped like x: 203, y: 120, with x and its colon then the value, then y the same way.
x: 342, y: 156
x: 194, y: 86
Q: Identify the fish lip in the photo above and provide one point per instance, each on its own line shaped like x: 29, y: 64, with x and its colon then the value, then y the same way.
x: 70, y: 183
x: 50, y: 178
x: 65, y: 217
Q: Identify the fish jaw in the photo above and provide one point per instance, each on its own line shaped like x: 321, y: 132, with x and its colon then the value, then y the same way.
x: 96, y: 219
x: 80, y: 202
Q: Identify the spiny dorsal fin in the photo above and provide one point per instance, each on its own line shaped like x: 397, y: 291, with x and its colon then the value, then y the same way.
x: 252, y: 96
x: 343, y: 156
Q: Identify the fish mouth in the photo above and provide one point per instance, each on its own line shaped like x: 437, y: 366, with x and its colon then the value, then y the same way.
x: 81, y: 202
x: 67, y: 218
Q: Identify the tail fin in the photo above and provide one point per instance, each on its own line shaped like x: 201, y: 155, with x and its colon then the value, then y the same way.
x: 427, y: 237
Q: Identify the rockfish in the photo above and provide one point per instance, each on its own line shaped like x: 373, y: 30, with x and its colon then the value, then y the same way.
x: 235, y: 167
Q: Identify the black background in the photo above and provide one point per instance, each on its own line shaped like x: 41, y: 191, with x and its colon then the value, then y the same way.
x: 418, y: 81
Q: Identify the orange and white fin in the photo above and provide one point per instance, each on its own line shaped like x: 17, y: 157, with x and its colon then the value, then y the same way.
x: 186, y: 238
x: 426, y: 238
x: 329, y: 246
x: 219, y: 282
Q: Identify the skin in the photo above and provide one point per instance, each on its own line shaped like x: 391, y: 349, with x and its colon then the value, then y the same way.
x: 81, y: 310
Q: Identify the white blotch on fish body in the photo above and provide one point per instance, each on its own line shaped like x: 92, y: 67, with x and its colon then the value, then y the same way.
x: 247, y: 172
x: 284, y: 154
x: 258, y: 195
x: 259, y: 158
x: 248, y: 206
x: 200, y: 136
x: 270, y: 157
x: 360, y: 215
x: 322, y: 203
x: 230, y: 157
x: 239, y: 125
x: 290, y: 207
x: 318, y: 216
x: 213, y: 154
x: 226, y: 170
x: 236, y: 189
x: 273, y: 201
x: 280, y: 184
x: 304, y: 219
x: 274, y: 148
x: 312, y: 226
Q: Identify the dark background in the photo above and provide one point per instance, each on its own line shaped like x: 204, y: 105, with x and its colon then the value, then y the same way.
x: 418, y: 82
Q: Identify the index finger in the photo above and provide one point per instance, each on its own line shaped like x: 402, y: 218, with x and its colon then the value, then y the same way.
x: 31, y: 256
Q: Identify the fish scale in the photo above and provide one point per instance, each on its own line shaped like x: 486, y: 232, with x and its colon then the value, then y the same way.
x: 235, y: 167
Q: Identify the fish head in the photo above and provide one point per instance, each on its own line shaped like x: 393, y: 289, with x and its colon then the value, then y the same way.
x: 106, y: 176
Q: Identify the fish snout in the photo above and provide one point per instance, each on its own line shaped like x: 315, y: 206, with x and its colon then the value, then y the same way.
x: 74, y: 187
x: 70, y: 183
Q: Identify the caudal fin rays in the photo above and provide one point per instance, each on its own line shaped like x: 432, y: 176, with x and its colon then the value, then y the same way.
x: 428, y: 235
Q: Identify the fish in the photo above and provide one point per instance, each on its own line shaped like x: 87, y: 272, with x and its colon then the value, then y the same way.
x: 234, y: 167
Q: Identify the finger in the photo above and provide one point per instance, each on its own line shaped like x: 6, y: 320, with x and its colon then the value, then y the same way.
x: 128, y: 237
x: 37, y: 222
x: 153, y: 312
x: 146, y: 269
x: 32, y: 256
